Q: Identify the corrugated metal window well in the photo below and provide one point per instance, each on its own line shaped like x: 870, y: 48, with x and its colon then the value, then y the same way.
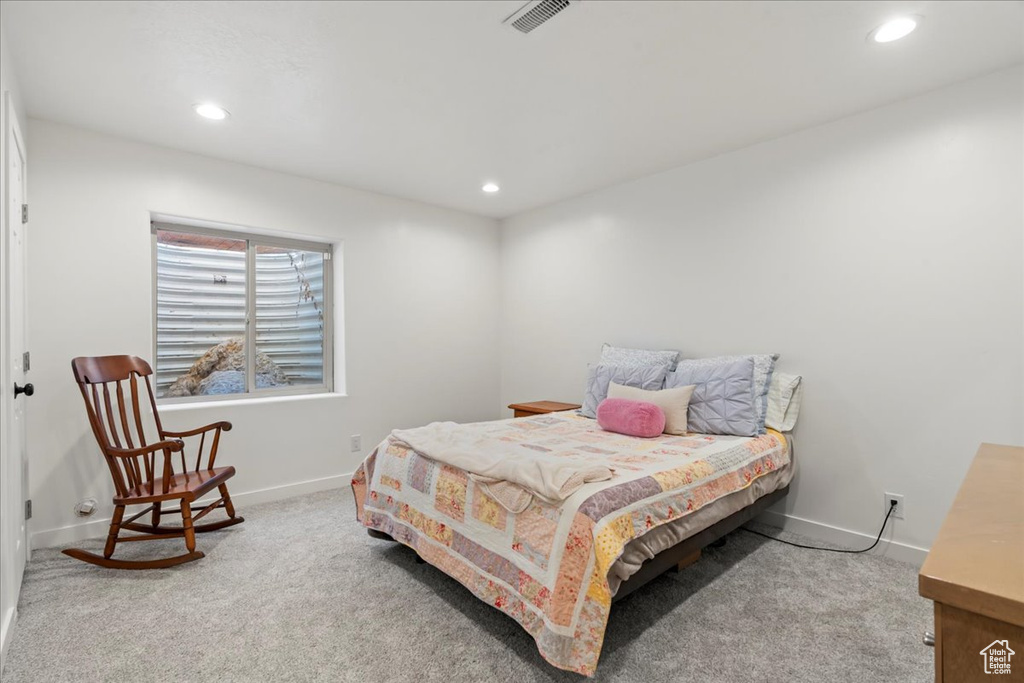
x: 219, y: 294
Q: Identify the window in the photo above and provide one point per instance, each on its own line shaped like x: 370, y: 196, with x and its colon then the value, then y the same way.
x: 220, y: 294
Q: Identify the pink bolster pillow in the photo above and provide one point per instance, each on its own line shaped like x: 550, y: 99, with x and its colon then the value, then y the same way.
x: 629, y: 417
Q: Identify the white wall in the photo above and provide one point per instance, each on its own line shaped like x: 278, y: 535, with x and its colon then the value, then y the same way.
x: 881, y: 255
x: 420, y: 322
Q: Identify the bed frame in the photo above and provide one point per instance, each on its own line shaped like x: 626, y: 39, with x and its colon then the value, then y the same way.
x: 683, y: 553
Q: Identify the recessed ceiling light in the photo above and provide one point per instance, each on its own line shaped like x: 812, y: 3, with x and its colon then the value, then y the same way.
x: 211, y: 111
x: 894, y: 29
x: 490, y: 187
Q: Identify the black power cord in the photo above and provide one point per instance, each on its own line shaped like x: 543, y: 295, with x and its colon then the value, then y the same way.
x: 892, y: 506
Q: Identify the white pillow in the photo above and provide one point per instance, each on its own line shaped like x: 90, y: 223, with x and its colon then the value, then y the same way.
x: 673, y: 402
x: 784, y: 395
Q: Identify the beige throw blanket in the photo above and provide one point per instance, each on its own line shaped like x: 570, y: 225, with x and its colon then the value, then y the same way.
x: 511, y: 472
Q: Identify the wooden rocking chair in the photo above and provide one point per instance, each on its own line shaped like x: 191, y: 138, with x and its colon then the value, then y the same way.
x: 137, y: 478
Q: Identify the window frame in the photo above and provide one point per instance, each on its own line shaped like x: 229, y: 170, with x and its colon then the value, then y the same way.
x: 252, y: 239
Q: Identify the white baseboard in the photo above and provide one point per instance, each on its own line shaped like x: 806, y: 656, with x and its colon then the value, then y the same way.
x: 73, y: 533
x: 844, y: 538
x: 299, y: 488
x: 805, y: 527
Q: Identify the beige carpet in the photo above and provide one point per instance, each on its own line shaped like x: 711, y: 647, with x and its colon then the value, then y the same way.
x: 301, y: 593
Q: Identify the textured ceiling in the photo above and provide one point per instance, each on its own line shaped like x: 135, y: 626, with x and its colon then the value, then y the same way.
x: 427, y: 100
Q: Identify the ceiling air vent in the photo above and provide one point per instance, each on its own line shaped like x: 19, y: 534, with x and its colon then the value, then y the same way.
x: 534, y: 13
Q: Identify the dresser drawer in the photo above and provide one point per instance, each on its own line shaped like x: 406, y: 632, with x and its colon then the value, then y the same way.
x: 960, y: 639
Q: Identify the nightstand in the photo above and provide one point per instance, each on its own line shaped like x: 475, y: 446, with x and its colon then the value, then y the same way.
x: 541, y: 407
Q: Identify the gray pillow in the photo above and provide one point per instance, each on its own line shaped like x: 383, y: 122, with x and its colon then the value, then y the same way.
x: 649, y: 377
x: 764, y: 366
x: 723, y: 397
x: 615, y: 355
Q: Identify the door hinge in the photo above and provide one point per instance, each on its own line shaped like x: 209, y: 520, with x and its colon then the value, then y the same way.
x: 24, y: 213
x: 28, y: 509
x: 26, y: 361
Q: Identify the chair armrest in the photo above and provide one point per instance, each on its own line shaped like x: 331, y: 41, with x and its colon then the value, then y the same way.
x: 172, y: 445
x: 225, y: 426
x: 215, y: 427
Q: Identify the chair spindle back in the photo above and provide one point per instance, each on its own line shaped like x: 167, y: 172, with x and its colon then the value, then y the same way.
x: 94, y: 376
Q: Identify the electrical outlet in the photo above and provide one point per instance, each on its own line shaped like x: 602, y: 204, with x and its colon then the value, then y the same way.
x: 898, y: 498
x: 85, y: 507
x: 357, y: 443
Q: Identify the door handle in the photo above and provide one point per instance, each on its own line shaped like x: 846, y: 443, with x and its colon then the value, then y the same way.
x: 28, y: 390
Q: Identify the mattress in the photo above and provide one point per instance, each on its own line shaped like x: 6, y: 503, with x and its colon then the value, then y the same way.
x: 554, y: 567
x: 661, y: 538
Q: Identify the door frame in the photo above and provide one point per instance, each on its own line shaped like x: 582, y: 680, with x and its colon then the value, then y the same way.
x: 10, y: 130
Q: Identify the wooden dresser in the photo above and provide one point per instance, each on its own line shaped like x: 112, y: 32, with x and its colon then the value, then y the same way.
x: 975, y: 573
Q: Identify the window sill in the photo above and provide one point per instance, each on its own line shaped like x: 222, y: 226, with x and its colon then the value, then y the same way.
x: 249, y: 400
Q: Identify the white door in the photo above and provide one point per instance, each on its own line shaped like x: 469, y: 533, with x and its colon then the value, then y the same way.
x: 13, y: 453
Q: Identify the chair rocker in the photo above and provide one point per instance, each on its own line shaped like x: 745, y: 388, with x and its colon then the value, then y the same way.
x: 137, y: 478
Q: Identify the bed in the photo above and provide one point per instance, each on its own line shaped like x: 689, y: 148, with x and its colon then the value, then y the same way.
x: 557, y: 566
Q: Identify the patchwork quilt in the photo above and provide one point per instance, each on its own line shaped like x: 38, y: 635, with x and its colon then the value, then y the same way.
x: 547, y: 566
